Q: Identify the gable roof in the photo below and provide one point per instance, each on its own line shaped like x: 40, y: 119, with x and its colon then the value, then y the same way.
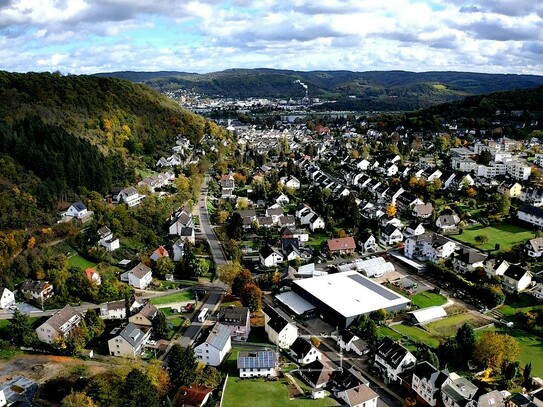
x: 358, y: 395
x: 276, y: 322
x: 35, y: 286
x: 515, y: 272
x: 318, y: 372
x: 132, y: 334
x: 260, y: 359
x: 79, y: 206
x: 389, y: 229
x: 190, y: 396
x: 392, y: 352
x: 218, y: 336
x: 471, y: 256
x: 234, y: 316
x: 58, y: 320
x: 301, y: 347
x: 344, y: 243
x: 149, y: 311
x: 140, y: 271
x: 161, y: 251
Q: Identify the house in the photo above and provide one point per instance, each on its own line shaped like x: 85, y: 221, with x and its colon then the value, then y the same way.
x: 447, y: 221
x: 77, y: 210
x: 516, y: 279
x: 128, y: 340
x: 391, y: 235
x: 532, y: 196
x: 7, y: 298
x: 145, y: 316
x: 367, y: 243
x: 106, y: 239
x: 341, y: 246
x: 117, y: 309
x: 280, y: 331
x: 238, y: 321
x: 191, y: 396
x: 458, y: 392
x: 494, y: 398
x: 531, y: 214
x: 429, y: 246
x: 349, y: 342
x: 415, y: 229
x: 93, y: 276
x: 274, y: 214
x: 426, y: 383
x: 534, y: 247
x: 216, y: 345
x: 282, y: 199
x: 315, y: 222
x: 510, y: 188
x: 468, y: 260
x: 257, y: 363
x: 319, y: 373
x: 423, y: 211
x: 139, y: 277
x: 495, y: 267
x: 59, y: 325
x: 538, y: 398
x: 287, y: 221
x: 520, y: 400
x: 303, y: 351
x: 159, y: 253
x: 359, y: 396
x: 393, y: 359
x: 305, y: 271
x: 129, y: 196
x: 37, y: 290
x: 181, y: 221
x: 292, y: 183
x: 270, y: 257
x: 178, y: 249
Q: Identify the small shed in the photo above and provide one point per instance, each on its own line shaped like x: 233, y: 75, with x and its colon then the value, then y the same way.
x: 425, y: 315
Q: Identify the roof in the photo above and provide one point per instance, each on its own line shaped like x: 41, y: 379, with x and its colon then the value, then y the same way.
x: 218, y: 336
x: 393, y: 353
x: 132, y: 334
x: 493, y: 399
x: 104, y: 231
x: 344, y: 243
x: 350, y: 293
x: 318, y: 372
x: 359, y: 395
x: 79, y: 206
x: 35, y: 286
x: 276, y: 321
x: 294, y: 302
x: 536, y: 243
x: 90, y: 272
x: 260, y: 359
x: 234, y: 316
x: 389, y: 229
x: 424, y: 209
x: 515, y: 272
x: 301, y: 347
x: 460, y: 389
x: 471, y: 256
x: 190, y: 396
x: 161, y: 251
x: 58, y: 320
x: 149, y: 311
x: 140, y: 271
x: 267, y: 251
x: 531, y: 210
x: 428, y: 314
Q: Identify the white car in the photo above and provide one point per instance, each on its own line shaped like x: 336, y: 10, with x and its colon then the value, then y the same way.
x: 151, y: 343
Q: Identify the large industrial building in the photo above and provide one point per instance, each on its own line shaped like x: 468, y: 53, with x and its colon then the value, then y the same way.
x: 341, y: 298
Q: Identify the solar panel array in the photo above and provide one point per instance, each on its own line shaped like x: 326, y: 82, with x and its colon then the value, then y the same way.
x: 256, y: 360
x: 383, y: 292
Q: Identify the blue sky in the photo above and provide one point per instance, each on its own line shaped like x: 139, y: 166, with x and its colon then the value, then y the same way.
x: 88, y: 36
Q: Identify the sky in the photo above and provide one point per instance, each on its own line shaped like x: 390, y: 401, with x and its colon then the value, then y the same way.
x: 89, y: 36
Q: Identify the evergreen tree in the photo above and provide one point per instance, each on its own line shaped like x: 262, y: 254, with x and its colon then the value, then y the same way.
x: 160, y: 325
x: 139, y: 391
x: 20, y: 330
x: 181, y: 366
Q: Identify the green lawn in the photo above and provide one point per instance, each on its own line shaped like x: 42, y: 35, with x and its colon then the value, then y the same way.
x: 520, y: 303
x: 417, y: 335
x: 428, y: 299
x: 80, y: 262
x: 386, y: 331
x: 262, y: 393
x: 176, y: 297
x: 448, y: 326
x: 316, y: 240
x: 505, y: 234
x: 531, y: 349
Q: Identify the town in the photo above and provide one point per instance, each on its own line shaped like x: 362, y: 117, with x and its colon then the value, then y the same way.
x: 336, y: 260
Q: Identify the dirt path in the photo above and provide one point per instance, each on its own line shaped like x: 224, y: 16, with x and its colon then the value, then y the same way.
x: 41, y: 368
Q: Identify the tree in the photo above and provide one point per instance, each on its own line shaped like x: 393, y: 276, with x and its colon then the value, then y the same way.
x: 465, y: 338
x: 20, y: 330
x: 481, y: 239
x: 138, y: 391
x: 181, y: 366
x: 165, y: 265
x: 391, y: 210
x: 77, y: 399
x: 234, y: 227
x: 527, y: 375
x: 241, y: 280
x: 228, y: 272
x: 485, y: 157
x: 424, y: 353
x: 496, y: 351
x: 251, y: 297
x: 95, y: 324
x: 160, y: 325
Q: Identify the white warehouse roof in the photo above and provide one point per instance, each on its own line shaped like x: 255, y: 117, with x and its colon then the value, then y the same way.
x: 351, y: 294
x: 375, y: 267
x: 428, y: 314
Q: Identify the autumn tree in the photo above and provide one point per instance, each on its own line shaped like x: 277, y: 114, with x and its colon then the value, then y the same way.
x: 241, y: 280
x: 228, y: 272
x: 77, y: 399
x: 251, y: 297
x: 495, y: 350
x: 391, y: 210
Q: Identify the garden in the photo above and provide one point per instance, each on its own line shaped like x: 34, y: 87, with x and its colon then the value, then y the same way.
x: 485, y: 238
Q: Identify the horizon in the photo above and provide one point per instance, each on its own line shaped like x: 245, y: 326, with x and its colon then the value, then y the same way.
x: 204, y: 36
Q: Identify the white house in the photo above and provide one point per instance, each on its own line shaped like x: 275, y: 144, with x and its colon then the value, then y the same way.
x: 257, y: 363
x: 280, y: 331
x: 429, y: 246
x: 534, y: 247
x: 349, y: 342
x: 393, y: 359
x: 159, y: 253
x: 359, y: 396
x: 391, y: 235
x: 516, y: 279
x: 178, y: 250
x: 7, y: 298
x: 427, y: 381
x: 448, y: 221
x: 107, y: 241
x: 129, y: 196
x: 518, y: 170
x: 77, y: 210
x: 531, y: 214
x: 316, y: 222
x: 270, y: 257
x: 304, y: 352
x: 458, y: 391
x: 128, y: 340
x: 139, y: 277
x: 367, y: 242
x: 238, y: 322
x: 59, y: 325
x: 216, y: 345
x: 282, y: 199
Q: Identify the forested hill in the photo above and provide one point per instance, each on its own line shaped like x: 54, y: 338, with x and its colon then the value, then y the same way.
x: 61, y: 133
x: 375, y: 90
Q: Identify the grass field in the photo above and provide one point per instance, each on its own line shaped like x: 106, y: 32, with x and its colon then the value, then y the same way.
x: 428, y: 299
x: 448, y: 326
x: 531, y: 349
x: 176, y: 297
x: 521, y: 303
x: 417, y: 335
x: 316, y: 240
x: 262, y: 393
x: 386, y: 331
x: 504, y: 234
x: 80, y: 262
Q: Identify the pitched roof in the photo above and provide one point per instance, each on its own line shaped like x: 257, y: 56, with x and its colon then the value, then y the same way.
x: 515, y: 272
x: 536, y: 243
x: 132, y: 334
x: 90, y: 273
x: 190, y: 396
x: 318, y: 372
x: 260, y: 359
x: 140, y: 271
x: 35, y: 286
x: 344, y: 243
x: 389, y: 229
x: 149, y: 311
x: 276, y: 322
x: 79, y: 206
x: 161, y: 251
x: 531, y: 210
x: 471, y: 256
x: 301, y: 347
x: 358, y: 395
x: 218, y: 336
x: 392, y: 352
x: 58, y: 320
